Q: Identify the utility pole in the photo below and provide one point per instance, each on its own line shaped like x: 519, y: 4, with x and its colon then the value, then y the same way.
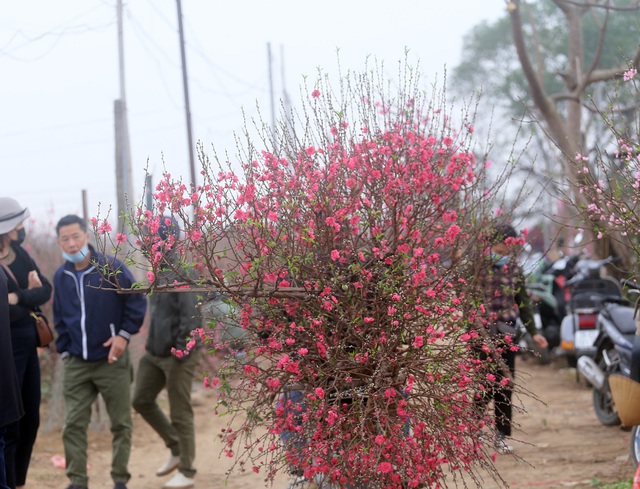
x: 124, y: 186
x: 187, y: 107
x: 273, y: 108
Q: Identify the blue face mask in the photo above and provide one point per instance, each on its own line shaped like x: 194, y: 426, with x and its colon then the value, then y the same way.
x: 22, y: 234
x: 77, y: 257
x: 499, y: 260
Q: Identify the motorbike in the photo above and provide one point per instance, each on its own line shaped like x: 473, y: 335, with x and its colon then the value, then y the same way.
x: 634, y: 446
x: 545, y: 286
x: 579, y: 327
x: 543, y: 290
x: 614, y: 346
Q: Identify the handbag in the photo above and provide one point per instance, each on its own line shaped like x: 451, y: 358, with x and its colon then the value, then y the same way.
x: 45, y: 333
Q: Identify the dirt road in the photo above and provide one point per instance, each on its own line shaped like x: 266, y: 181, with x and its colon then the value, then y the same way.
x: 559, y: 444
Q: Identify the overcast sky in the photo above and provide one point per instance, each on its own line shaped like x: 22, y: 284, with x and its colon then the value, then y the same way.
x: 59, y: 78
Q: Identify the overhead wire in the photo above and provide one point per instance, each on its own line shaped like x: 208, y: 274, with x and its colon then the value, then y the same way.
x: 58, y: 32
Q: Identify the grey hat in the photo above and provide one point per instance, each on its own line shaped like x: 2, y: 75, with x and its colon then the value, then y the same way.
x: 11, y: 214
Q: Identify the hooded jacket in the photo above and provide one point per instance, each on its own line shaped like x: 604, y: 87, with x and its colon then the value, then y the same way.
x: 87, y: 311
x: 173, y: 316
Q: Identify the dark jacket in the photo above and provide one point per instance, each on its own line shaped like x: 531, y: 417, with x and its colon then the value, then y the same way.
x: 87, y: 311
x: 173, y: 316
x: 28, y: 299
x: 504, y: 289
x: 10, y: 398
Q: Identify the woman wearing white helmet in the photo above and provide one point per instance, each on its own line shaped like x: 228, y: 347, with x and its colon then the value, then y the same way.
x: 28, y: 289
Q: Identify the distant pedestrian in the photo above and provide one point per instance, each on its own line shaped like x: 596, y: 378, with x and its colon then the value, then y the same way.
x: 505, y: 301
x: 28, y: 290
x: 94, y: 326
x: 172, y: 318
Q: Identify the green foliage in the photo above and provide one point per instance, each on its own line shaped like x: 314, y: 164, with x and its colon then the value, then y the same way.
x: 625, y: 484
x: 489, y: 61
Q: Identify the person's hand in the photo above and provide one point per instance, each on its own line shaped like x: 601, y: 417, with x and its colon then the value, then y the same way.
x: 13, y: 298
x: 117, y: 346
x: 540, y: 341
x: 34, y: 280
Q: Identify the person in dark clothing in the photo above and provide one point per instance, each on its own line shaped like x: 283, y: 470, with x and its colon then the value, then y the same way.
x: 28, y: 289
x: 168, y: 363
x: 94, y: 325
x: 505, y: 300
x: 11, y: 409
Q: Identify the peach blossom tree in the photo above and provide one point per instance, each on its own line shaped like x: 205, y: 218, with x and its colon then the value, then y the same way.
x: 611, y: 176
x: 345, y: 249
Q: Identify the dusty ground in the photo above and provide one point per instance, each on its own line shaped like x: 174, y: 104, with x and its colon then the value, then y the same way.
x: 560, y: 444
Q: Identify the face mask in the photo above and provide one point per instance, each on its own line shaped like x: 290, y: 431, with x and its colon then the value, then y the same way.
x: 77, y: 257
x: 22, y: 233
x: 499, y: 260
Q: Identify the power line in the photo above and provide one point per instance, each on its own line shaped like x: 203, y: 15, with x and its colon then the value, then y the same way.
x: 57, y: 32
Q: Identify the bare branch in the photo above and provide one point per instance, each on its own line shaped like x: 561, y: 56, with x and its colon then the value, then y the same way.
x: 586, y: 5
x: 584, y: 80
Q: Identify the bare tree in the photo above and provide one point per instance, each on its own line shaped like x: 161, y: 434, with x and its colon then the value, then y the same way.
x: 562, y: 113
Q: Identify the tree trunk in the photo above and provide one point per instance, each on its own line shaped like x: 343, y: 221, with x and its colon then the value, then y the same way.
x: 566, y: 132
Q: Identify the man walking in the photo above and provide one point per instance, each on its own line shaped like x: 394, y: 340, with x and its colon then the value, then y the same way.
x: 172, y: 318
x: 94, y: 325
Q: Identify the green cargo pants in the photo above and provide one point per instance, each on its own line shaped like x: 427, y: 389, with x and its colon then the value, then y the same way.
x: 153, y: 375
x: 82, y: 383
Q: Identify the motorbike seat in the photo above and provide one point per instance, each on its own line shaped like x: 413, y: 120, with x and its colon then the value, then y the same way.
x: 622, y: 317
x: 585, y: 293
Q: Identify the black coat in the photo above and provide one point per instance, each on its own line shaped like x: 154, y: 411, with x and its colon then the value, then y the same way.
x: 10, y: 399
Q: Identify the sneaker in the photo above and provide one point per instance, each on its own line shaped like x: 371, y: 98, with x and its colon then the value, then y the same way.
x: 169, y: 466
x: 299, y: 482
x: 120, y: 485
x: 179, y: 481
x: 501, y: 445
x: 296, y: 482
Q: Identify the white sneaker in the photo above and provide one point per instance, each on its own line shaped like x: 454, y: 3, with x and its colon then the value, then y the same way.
x: 179, y: 481
x: 169, y: 466
x: 502, y: 446
x: 299, y: 482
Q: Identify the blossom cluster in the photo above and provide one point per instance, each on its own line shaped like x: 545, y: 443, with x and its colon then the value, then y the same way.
x: 340, y: 251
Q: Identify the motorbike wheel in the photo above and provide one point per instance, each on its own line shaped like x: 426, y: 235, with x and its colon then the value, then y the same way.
x: 603, y: 404
x: 634, y: 446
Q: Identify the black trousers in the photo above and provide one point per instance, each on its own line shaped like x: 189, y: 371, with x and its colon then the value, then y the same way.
x: 20, y: 436
x: 500, y: 394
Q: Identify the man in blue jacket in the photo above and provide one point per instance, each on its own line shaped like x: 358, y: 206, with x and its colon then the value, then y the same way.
x: 94, y: 325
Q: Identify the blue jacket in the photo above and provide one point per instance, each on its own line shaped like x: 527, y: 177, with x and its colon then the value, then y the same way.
x: 86, y: 315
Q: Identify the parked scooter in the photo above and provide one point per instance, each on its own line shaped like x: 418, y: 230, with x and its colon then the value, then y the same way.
x: 579, y: 328
x: 634, y: 446
x: 614, y: 346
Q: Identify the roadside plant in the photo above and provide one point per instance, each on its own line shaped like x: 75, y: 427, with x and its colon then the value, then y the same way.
x: 611, y: 176
x: 345, y: 247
